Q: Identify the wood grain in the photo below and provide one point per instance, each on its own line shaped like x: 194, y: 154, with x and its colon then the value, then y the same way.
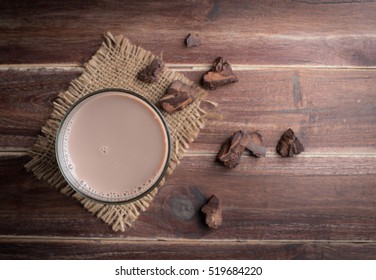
x: 26, y: 98
x: 326, y: 108
x: 40, y: 248
x: 330, y: 110
x: 309, y: 65
x: 245, y: 32
x: 271, y: 198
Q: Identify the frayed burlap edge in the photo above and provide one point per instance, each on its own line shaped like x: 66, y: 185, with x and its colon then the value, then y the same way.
x: 121, y: 60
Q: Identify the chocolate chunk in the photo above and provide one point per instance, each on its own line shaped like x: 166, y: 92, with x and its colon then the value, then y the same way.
x: 193, y: 40
x: 289, y: 145
x: 177, y: 97
x: 150, y: 74
x: 232, y: 150
x: 220, y: 75
x: 213, y: 212
x: 255, y: 146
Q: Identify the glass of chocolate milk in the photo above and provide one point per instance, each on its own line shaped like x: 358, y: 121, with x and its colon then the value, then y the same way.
x: 113, y: 146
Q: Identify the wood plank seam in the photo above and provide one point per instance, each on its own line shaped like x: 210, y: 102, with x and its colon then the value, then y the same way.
x: 36, y: 238
x: 269, y: 154
x: 187, y: 67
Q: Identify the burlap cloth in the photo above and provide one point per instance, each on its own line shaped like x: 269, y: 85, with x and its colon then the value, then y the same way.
x: 115, y: 65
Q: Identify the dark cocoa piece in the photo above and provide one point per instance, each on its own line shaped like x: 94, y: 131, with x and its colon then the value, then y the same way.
x: 232, y: 150
x: 213, y: 212
x: 220, y: 75
x: 150, y: 74
x: 289, y: 145
x: 177, y: 97
x: 255, y: 146
x: 193, y: 40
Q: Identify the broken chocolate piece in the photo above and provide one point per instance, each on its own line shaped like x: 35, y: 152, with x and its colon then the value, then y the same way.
x: 289, y: 145
x: 232, y: 150
x: 150, y: 73
x: 193, y: 40
x: 177, y: 97
x: 255, y: 146
x: 213, y: 212
x: 220, y: 75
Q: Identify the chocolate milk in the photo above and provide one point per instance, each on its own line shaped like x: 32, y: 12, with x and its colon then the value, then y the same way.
x: 115, y: 147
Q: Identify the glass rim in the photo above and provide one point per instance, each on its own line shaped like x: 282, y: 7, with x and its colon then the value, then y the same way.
x: 124, y: 91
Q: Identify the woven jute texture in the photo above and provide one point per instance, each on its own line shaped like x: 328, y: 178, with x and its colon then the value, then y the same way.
x: 115, y: 65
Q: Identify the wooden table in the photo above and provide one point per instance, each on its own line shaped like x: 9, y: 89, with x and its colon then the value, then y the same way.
x: 309, y: 65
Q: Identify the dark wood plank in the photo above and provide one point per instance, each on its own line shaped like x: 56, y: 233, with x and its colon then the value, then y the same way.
x: 259, y: 205
x: 330, y: 110
x: 271, y: 198
x: 246, y: 32
x: 26, y: 98
x: 23, y: 248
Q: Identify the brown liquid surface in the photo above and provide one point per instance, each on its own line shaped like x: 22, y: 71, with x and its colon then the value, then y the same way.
x: 115, y: 146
